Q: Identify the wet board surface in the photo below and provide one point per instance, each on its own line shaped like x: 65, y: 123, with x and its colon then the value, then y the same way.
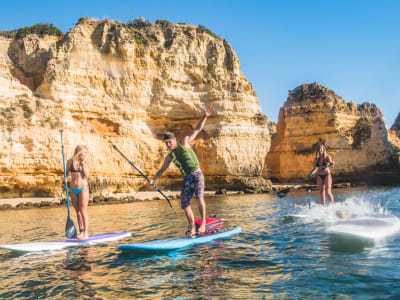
x: 175, y: 244
x: 367, y: 227
x: 64, y: 243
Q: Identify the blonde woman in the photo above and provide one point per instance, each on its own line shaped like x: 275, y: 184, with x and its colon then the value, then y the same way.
x: 79, y: 169
x: 324, y: 179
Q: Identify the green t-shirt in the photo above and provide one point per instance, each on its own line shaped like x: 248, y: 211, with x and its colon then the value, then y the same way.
x: 185, y: 159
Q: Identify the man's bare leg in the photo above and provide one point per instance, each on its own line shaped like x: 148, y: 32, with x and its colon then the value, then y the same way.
x: 190, y: 218
x: 202, y: 209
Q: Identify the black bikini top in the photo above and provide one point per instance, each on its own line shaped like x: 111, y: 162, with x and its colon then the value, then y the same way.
x: 324, y: 163
x: 73, y: 170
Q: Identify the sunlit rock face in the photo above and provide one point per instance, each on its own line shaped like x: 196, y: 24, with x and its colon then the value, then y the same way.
x: 356, y: 136
x: 106, y: 84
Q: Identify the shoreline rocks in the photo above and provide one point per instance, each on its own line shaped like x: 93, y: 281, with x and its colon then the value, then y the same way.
x: 31, y: 203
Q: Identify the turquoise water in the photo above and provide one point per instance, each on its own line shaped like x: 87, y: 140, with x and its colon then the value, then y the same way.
x: 275, y: 257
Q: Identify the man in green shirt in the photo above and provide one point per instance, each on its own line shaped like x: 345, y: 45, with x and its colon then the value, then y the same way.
x: 193, y: 180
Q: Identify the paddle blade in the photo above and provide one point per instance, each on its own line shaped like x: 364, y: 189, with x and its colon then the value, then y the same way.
x: 283, y: 193
x: 70, y: 229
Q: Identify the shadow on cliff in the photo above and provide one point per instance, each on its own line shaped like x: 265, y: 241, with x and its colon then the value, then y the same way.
x: 28, y: 66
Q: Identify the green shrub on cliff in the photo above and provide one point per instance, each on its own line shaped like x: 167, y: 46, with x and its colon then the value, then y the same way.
x: 163, y: 23
x: 140, y: 22
x: 201, y: 29
x: 8, y: 33
x: 139, y: 38
x: 82, y: 20
x: 39, y: 29
x: 28, y: 112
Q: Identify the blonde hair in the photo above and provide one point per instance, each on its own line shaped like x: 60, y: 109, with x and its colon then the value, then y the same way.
x: 78, y: 150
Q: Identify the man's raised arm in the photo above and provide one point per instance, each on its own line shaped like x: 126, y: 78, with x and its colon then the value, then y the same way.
x: 199, y: 127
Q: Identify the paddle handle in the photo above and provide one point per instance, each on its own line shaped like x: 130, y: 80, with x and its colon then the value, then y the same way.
x: 312, y: 175
x: 65, y: 170
x: 148, y: 180
x: 309, y: 198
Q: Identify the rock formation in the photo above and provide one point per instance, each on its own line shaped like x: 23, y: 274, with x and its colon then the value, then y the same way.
x: 396, y: 126
x: 104, y: 84
x: 356, y: 136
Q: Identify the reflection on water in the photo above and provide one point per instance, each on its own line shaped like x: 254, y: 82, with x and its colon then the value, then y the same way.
x: 78, y: 265
x: 349, y: 245
x: 276, y: 255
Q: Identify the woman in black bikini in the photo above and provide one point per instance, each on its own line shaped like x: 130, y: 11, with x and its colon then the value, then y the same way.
x: 324, y: 179
x: 79, y: 169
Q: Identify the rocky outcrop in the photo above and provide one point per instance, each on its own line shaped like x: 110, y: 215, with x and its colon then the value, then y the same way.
x: 356, y: 136
x: 396, y: 126
x: 104, y: 84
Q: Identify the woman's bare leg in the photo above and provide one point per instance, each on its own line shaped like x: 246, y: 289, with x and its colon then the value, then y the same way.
x: 320, y: 184
x: 83, y: 205
x: 75, y: 204
x: 328, y: 188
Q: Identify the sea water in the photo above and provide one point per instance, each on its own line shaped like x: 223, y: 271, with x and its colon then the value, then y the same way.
x: 275, y: 257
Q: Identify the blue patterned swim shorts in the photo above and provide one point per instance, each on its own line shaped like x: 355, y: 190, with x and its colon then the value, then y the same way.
x: 193, y: 184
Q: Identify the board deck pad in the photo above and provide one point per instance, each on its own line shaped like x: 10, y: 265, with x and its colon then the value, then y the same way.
x: 64, y: 243
x: 367, y: 227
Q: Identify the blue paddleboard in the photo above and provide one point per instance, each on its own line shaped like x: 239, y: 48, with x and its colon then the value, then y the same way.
x: 175, y: 244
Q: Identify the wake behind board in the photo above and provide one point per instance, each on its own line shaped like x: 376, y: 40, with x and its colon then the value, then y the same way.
x: 64, y: 243
x: 373, y: 227
x: 176, y: 244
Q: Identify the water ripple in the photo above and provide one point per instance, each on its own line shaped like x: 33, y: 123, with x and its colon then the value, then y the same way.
x: 277, y: 256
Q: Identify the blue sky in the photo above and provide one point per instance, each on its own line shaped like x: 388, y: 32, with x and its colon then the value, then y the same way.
x: 350, y: 47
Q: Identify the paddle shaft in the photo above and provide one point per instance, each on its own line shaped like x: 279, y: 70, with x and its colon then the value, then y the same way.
x: 148, y: 180
x: 285, y: 191
x: 65, y: 170
x: 311, y: 175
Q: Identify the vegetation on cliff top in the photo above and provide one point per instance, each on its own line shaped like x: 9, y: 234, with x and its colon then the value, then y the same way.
x: 138, y: 23
x: 141, y: 23
x: 201, y: 29
x: 39, y: 28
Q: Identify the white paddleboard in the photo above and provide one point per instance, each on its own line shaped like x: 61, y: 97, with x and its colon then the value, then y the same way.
x: 296, y: 216
x: 64, y: 243
x: 373, y: 227
x: 175, y: 244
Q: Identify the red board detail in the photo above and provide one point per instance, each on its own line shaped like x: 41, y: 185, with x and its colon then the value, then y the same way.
x: 211, y: 222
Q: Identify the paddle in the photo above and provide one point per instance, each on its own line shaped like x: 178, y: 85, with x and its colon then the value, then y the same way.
x: 141, y: 173
x: 70, y: 229
x: 283, y: 193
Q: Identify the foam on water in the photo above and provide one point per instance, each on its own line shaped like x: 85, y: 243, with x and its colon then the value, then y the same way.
x: 351, y: 207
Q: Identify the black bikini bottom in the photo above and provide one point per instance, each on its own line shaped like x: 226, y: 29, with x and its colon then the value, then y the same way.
x: 323, y: 176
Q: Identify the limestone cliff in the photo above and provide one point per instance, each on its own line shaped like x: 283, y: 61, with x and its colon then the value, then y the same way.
x: 396, y: 126
x: 356, y: 136
x: 104, y: 84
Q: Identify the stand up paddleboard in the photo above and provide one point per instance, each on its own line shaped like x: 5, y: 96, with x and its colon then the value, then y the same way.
x: 213, y: 231
x: 64, y: 243
x: 176, y: 244
x: 295, y: 216
x: 373, y: 227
